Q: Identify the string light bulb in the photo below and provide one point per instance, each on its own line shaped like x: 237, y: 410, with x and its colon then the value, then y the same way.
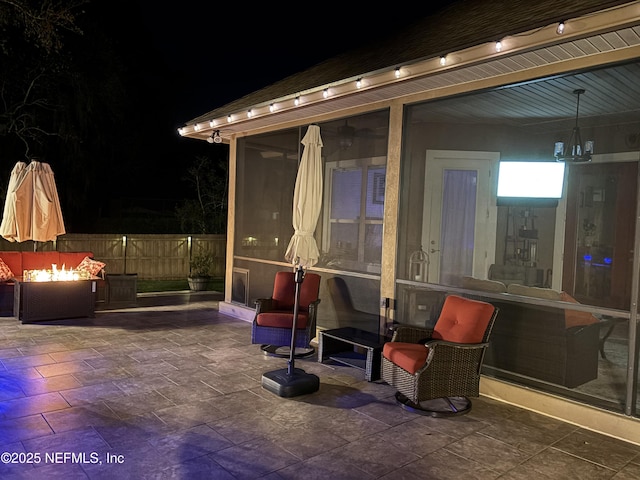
x: 443, y: 61
x: 296, y: 102
x: 212, y: 123
x: 249, y: 113
x: 397, y: 72
x: 272, y: 107
x: 359, y: 83
x: 498, y: 46
x: 560, y: 28
x: 325, y: 93
x: 229, y: 118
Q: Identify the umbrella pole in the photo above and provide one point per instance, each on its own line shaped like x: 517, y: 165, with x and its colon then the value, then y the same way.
x: 299, y: 277
x: 291, y: 382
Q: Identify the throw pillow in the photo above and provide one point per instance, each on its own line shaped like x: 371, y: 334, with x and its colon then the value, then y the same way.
x: 5, y: 272
x: 574, y: 318
x: 90, y: 265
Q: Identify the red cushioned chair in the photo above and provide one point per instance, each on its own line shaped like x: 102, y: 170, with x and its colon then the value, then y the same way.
x: 436, y: 370
x: 274, y: 316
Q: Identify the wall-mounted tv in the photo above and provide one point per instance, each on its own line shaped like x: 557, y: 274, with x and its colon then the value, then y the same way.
x: 537, y: 183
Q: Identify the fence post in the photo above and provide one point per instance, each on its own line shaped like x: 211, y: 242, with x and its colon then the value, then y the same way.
x: 124, y: 254
x: 190, y: 253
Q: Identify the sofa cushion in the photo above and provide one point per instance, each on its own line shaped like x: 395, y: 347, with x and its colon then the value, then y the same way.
x: 508, y: 273
x: 13, y: 261
x: 473, y: 283
x: 5, y: 272
x: 408, y: 356
x: 574, y: 318
x: 537, y: 292
x: 40, y: 260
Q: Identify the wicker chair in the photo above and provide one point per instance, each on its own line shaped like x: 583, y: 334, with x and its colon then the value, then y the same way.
x: 274, y: 316
x: 436, y: 370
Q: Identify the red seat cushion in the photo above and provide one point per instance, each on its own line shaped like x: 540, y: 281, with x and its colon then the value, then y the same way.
x: 282, y: 319
x: 463, y: 320
x: 409, y: 356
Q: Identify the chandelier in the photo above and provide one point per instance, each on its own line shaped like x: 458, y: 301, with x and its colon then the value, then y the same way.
x: 574, y: 150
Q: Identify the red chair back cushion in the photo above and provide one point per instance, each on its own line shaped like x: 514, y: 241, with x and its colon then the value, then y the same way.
x: 463, y: 320
x: 284, y: 290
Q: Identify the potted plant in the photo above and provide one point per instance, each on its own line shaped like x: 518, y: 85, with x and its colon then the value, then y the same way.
x: 200, y: 270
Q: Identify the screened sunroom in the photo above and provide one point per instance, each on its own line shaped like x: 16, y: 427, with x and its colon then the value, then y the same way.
x: 414, y: 206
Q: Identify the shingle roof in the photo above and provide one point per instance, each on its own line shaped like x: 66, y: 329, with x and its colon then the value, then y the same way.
x: 462, y: 24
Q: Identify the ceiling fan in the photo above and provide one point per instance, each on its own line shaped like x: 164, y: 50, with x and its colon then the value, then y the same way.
x: 347, y: 134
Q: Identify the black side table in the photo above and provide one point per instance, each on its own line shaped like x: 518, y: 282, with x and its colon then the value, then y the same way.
x: 353, y: 347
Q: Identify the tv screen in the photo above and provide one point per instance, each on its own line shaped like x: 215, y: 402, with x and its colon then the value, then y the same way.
x: 530, y: 180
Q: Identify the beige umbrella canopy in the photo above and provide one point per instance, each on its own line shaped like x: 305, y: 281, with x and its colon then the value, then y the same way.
x: 32, y: 208
x: 307, y: 202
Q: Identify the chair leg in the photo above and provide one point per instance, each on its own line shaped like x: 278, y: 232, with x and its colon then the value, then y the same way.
x: 284, y: 352
x: 437, y: 407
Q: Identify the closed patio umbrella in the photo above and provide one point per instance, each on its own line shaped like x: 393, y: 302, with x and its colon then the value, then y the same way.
x: 32, y: 208
x: 302, y: 252
x: 307, y: 202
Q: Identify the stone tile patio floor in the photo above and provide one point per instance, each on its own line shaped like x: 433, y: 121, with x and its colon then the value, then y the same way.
x: 172, y: 389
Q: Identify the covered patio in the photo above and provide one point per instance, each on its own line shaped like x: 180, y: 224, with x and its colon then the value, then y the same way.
x: 172, y: 389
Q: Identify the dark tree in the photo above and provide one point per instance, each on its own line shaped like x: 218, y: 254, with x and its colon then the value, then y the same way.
x: 206, y: 210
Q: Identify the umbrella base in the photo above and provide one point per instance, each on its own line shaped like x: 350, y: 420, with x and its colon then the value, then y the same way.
x: 285, y: 352
x: 290, y: 385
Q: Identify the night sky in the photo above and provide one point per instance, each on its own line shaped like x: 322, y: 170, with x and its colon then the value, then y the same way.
x: 185, y: 59
x: 180, y: 60
x: 214, y: 54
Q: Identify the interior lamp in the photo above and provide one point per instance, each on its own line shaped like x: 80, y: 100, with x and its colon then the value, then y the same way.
x: 574, y: 150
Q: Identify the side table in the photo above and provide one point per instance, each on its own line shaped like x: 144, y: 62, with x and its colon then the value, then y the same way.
x: 354, y: 347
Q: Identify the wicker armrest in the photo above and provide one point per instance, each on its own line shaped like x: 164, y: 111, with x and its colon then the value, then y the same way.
x: 444, y: 343
x: 263, y: 305
x: 313, y: 306
x: 405, y: 333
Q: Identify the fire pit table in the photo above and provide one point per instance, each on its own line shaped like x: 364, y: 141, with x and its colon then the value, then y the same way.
x: 51, y: 299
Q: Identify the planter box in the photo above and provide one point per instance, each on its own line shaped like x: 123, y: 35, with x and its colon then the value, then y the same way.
x: 122, y: 290
x: 198, y: 283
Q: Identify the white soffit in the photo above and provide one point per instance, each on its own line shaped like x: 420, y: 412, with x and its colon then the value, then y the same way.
x: 430, y: 79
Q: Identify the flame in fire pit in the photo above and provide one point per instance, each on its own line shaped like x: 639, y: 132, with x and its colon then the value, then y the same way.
x: 54, y: 275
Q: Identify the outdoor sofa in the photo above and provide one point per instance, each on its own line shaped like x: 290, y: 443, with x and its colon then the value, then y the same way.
x: 544, y: 342
x: 14, y: 263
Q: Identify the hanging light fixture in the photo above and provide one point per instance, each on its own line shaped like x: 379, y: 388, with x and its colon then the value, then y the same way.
x: 574, y: 150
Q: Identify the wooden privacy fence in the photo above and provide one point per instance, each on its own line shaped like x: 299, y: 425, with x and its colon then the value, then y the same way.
x: 152, y: 257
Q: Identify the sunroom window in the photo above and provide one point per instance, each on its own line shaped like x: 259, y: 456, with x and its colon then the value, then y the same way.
x: 354, y: 195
